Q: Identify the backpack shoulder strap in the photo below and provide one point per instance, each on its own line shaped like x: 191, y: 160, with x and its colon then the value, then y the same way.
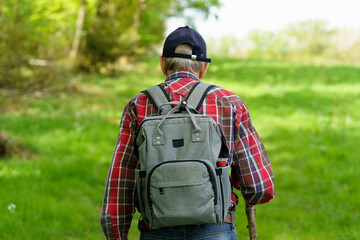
x: 197, y: 94
x: 158, y: 96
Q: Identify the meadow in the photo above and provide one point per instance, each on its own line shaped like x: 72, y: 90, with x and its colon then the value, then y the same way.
x: 307, y: 116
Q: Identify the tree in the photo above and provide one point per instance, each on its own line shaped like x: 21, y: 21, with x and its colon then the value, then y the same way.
x: 262, y: 42
x: 38, y: 38
x: 124, y: 28
x: 79, y: 28
x: 310, y: 38
x: 33, y: 35
x: 13, y: 38
x: 305, y: 40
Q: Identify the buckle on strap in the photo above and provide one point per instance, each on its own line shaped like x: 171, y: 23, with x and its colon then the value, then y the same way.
x: 183, y: 105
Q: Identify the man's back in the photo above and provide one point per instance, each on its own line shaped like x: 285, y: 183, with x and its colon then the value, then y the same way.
x: 251, y: 169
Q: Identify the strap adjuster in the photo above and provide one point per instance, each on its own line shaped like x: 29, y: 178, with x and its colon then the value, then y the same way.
x: 183, y: 105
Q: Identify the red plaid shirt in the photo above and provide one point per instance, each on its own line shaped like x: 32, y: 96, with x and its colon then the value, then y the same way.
x: 251, y: 167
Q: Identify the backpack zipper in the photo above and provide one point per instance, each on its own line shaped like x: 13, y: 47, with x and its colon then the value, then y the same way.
x: 222, y: 198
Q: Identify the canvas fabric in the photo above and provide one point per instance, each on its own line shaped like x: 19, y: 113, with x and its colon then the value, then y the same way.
x: 179, y: 180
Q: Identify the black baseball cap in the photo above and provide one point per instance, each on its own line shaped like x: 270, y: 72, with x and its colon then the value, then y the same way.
x: 186, y: 35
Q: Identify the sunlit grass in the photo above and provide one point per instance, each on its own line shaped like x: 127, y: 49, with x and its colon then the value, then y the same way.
x: 307, y: 116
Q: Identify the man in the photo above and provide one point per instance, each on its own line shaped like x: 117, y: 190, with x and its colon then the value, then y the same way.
x: 184, y: 62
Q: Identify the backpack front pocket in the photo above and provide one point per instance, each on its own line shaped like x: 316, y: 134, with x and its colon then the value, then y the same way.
x: 178, y: 189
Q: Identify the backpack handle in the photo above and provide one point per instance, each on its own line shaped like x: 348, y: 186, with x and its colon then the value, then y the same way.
x: 197, y: 134
x: 182, y: 105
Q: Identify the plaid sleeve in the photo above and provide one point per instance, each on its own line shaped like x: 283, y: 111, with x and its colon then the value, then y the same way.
x: 118, y: 209
x: 252, y: 172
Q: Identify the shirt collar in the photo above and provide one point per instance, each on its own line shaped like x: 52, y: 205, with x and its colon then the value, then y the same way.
x: 180, y: 74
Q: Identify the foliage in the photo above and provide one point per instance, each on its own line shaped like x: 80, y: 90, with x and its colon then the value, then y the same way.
x: 110, y: 35
x: 312, y: 40
x: 36, y: 37
x: 306, y: 115
x: 310, y: 37
x: 31, y: 30
x: 307, y: 40
x: 13, y: 50
x: 125, y: 28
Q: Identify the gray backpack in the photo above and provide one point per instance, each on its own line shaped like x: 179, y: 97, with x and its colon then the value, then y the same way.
x: 182, y: 178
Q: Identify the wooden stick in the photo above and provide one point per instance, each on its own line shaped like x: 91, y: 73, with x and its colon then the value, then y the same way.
x: 250, y: 213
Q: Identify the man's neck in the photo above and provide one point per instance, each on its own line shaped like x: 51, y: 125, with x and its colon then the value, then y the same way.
x: 168, y: 72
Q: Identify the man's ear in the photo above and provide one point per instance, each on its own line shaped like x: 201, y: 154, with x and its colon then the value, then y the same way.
x: 203, y: 70
x: 162, y: 65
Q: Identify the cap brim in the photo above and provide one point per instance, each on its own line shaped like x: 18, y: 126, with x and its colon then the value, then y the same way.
x: 192, y: 57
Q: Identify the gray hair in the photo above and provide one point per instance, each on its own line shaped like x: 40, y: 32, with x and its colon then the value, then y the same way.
x: 175, y: 64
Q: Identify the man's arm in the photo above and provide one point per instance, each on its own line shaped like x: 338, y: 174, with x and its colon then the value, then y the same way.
x: 118, y: 209
x: 252, y: 172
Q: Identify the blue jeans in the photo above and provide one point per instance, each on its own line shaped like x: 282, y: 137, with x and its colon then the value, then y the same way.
x: 204, y: 232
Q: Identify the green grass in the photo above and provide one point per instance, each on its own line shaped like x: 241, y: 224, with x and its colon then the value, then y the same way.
x: 307, y: 116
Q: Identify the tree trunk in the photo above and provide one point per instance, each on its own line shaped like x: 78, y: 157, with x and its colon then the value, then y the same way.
x: 137, y: 16
x: 79, y: 26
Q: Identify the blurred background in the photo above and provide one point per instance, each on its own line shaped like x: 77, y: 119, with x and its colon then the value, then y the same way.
x: 67, y: 69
